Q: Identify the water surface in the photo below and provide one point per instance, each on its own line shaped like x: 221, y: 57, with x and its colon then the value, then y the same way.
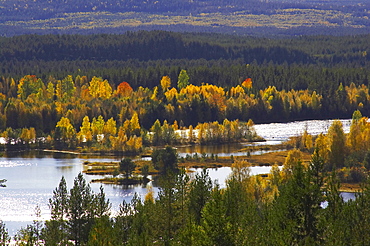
x: 32, y: 176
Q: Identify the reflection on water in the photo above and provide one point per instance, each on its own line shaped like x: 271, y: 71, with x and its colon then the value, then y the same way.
x: 282, y: 131
x: 209, y: 149
x: 348, y: 196
x: 267, y: 142
x: 222, y: 150
x: 32, y: 176
x: 208, y: 154
x: 221, y: 174
x: 6, y: 163
x: 32, y: 179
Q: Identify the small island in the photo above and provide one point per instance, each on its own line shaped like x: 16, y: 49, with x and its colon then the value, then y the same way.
x: 300, y: 149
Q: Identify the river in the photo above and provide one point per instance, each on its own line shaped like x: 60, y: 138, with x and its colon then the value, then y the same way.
x: 32, y: 176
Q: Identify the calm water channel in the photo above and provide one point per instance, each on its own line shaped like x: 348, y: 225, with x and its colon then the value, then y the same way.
x: 33, y: 176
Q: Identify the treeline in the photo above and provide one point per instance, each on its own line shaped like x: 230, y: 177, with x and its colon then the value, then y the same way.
x: 225, y: 73
x: 77, y: 112
x: 141, y: 58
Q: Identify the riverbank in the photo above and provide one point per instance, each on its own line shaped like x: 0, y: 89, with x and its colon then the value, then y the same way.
x: 350, y: 187
x: 194, y: 161
x: 33, y: 175
x: 198, y: 161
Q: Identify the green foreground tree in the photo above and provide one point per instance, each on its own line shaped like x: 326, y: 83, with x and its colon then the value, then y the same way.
x: 4, y: 235
x: 165, y: 160
x: 127, y: 166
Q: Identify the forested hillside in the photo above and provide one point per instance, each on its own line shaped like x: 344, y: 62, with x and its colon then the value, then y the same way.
x: 126, y: 85
x: 142, y: 58
x: 262, y: 18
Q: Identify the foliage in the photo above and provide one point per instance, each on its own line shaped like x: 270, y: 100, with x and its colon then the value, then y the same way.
x: 337, y: 145
x: 4, y: 234
x: 75, y: 215
x: 128, y: 166
x: 183, y: 80
x: 165, y: 160
x: 31, y: 234
x: 320, y: 87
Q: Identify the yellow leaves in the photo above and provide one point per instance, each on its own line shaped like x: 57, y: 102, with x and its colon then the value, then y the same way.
x: 122, y: 137
x: 155, y: 93
x: 165, y: 83
x: 28, y: 135
x: 85, y: 93
x: 261, y: 189
x: 85, y: 134
x: 132, y: 144
x: 110, y: 127
x: 293, y: 158
x: 170, y: 110
x: 247, y: 83
x: 206, y: 90
x: 269, y: 93
x: 100, y: 88
x: 50, y: 91
x: 322, y: 146
x: 67, y: 131
x: 191, y: 134
x: 351, y: 93
x: 127, y: 139
x: 28, y: 85
x: 65, y: 88
x: 357, y: 95
x: 237, y: 91
x: 214, y: 95
x: 170, y: 94
x: 97, y: 126
x: 190, y: 90
x: 175, y: 126
x: 2, y: 97
x: 309, y: 142
x: 149, y: 197
x: 315, y: 101
x: 306, y: 141
x: 358, y: 137
x: 240, y: 171
x: 275, y: 175
x: 135, y: 125
x: 225, y: 132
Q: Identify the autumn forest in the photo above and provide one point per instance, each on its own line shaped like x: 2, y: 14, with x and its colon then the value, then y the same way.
x: 145, y: 92
x: 131, y: 89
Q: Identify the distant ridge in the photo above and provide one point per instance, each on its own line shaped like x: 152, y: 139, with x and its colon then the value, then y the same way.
x: 259, y: 18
